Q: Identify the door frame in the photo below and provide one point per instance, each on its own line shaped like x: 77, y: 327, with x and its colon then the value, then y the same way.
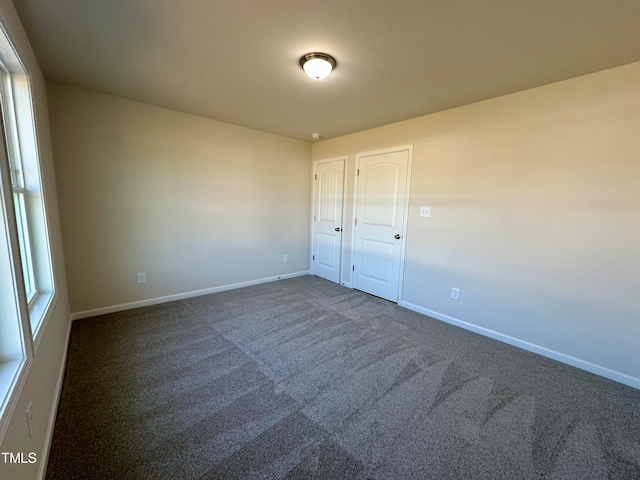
x: 345, y: 160
x: 405, y: 219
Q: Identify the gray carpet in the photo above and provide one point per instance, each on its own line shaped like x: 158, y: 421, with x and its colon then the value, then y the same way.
x: 305, y: 379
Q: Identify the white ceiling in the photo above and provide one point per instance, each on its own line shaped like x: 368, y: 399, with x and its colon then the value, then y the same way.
x: 237, y: 60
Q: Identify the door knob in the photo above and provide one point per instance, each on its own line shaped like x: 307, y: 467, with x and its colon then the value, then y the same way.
x: 397, y: 236
x: 338, y: 229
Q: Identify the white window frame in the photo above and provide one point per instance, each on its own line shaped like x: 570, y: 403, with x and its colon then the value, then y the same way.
x: 27, y: 292
x: 17, y: 182
x: 28, y: 192
x: 16, y: 348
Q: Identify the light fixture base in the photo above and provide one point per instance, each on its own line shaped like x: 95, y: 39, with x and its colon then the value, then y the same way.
x: 317, y: 65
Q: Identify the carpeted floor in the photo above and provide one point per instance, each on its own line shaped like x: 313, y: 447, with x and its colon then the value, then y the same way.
x: 305, y: 379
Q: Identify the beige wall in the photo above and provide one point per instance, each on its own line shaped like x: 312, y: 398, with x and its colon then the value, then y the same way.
x: 41, y: 386
x: 535, y: 216
x: 194, y: 203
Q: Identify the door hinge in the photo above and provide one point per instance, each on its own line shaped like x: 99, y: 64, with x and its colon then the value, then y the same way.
x: 356, y: 221
x: 315, y: 177
x: 314, y: 218
x: 313, y: 257
x: 353, y: 268
x: 358, y: 173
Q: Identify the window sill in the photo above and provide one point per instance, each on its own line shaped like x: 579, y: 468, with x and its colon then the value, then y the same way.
x: 39, y: 312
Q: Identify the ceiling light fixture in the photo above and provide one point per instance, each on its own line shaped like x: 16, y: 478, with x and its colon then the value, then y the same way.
x: 317, y: 65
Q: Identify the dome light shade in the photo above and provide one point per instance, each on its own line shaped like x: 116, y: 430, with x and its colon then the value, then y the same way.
x: 317, y: 65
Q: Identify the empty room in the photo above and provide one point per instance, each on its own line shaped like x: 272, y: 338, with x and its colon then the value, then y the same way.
x: 320, y: 240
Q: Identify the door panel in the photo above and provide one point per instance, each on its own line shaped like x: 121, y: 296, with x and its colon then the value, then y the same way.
x: 327, y: 245
x: 329, y: 188
x: 379, y: 197
x: 376, y: 261
x: 380, y: 216
x: 327, y: 219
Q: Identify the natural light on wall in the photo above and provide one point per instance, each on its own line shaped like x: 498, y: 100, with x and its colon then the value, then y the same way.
x: 26, y: 275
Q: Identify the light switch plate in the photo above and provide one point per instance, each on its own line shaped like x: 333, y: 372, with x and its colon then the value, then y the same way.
x: 425, y: 211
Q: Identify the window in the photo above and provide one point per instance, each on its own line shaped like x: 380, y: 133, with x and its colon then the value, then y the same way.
x: 26, y: 272
x: 13, y: 345
x: 19, y: 194
x: 27, y: 193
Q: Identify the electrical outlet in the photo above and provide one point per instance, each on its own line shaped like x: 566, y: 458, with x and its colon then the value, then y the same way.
x: 30, y: 419
x: 142, y: 278
x: 455, y: 293
x: 425, y: 211
x: 285, y: 258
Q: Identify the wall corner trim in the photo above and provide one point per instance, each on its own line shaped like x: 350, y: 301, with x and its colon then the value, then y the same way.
x: 516, y: 342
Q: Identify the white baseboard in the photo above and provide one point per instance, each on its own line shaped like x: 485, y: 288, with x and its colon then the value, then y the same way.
x: 180, y: 296
x: 48, y: 436
x: 545, y: 352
